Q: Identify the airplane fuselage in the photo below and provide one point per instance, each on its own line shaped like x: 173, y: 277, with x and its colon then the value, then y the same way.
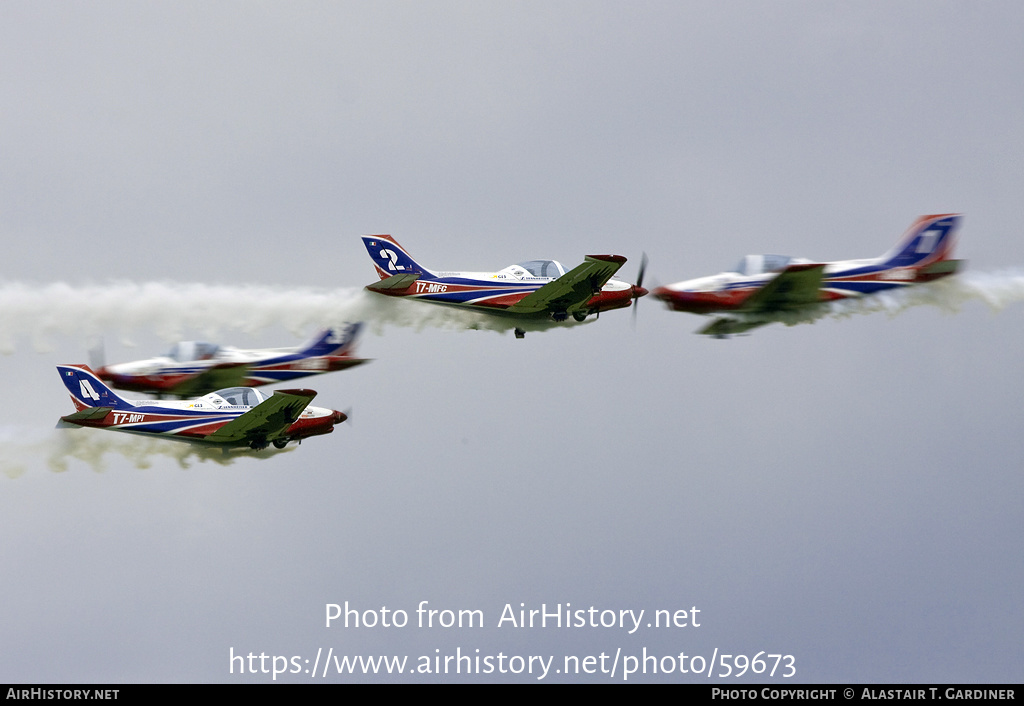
x: 496, y: 292
x: 164, y: 374
x: 190, y: 421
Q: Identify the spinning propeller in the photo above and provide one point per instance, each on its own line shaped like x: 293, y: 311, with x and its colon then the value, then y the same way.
x: 638, y: 288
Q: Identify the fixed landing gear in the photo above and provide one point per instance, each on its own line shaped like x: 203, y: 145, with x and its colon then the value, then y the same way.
x: 579, y: 315
x: 520, y: 333
x: 280, y: 443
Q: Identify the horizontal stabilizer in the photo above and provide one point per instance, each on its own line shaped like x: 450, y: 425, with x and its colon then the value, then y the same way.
x: 943, y: 267
x: 89, y: 414
x: 394, y: 282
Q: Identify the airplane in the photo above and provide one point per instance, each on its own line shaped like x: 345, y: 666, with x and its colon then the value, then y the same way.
x: 540, y: 291
x: 763, y: 289
x: 236, y: 417
x: 194, y: 368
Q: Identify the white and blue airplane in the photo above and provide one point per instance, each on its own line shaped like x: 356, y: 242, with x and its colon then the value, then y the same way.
x: 766, y: 288
x: 193, y: 368
x: 237, y: 417
x: 538, y: 291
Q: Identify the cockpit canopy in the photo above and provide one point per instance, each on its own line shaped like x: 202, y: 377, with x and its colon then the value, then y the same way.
x: 761, y: 264
x: 543, y: 268
x: 193, y: 350
x: 237, y: 397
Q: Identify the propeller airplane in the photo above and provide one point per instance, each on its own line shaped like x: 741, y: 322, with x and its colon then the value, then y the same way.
x: 194, y: 368
x: 538, y: 291
x: 237, y: 417
x: 763, y: 289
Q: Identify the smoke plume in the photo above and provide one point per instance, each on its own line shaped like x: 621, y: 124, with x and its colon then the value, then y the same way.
x: 57, y: 450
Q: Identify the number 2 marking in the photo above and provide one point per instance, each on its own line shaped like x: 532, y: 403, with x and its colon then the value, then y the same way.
x: 392, y: 257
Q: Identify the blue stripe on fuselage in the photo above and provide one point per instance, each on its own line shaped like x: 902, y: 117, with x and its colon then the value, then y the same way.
x: 863, y: 287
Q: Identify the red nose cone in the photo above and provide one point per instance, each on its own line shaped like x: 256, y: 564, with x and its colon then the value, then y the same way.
x: 339, y: 417
x: 639, y: 292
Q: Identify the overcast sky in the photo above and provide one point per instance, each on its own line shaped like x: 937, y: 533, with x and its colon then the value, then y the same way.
x: 846, y: 492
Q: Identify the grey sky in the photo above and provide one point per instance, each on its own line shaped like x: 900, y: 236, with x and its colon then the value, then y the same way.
x: 846, y: 492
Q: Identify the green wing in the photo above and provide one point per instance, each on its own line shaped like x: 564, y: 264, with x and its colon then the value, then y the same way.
x: 794, y: 287
x: 722, y: 326
x: 573, y: 289
x: 401, y: 281
x: 266, y: 421
x: 216, y: 378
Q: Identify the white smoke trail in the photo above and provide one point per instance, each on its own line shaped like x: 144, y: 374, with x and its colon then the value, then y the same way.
x: 996, y: 289
x: 168, y: 309
x: 22, y: 449
x: 950, y: 294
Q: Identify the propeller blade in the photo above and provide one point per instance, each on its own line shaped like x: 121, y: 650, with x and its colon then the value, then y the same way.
x: 643, y: 269
x: 639, y: 286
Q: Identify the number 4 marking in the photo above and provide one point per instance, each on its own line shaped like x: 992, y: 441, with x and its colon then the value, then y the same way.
x: 87, y: 392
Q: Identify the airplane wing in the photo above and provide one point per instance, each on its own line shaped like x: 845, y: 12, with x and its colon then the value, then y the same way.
x: 215, y: 378
x: 724, y: 326
x: 573, y: 289
x: 266, y: 421
x: 794, y: 287
x: 394, y: 282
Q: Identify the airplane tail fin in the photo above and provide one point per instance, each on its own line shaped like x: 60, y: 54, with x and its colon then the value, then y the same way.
x: 930, y: 240
x: 390, y: 258
x: 331, y: 342
x: 87, y: 390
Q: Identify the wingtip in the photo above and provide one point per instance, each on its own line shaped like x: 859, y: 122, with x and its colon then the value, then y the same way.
x: 298, y: 393
x: 618, y: 259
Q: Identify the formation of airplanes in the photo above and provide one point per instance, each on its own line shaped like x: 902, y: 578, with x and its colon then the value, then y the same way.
x: 225, y: 410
